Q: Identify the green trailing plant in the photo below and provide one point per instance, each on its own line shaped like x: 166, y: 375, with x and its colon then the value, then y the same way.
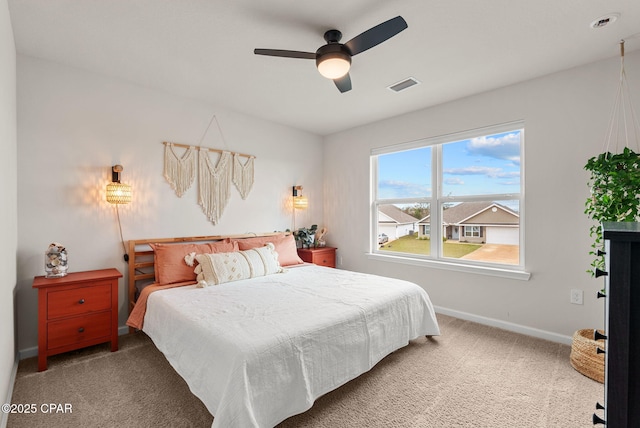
x: 615, y: 195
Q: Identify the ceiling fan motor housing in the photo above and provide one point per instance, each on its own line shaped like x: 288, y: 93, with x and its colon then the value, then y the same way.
x: 333, y: 50
x: 332, y: 36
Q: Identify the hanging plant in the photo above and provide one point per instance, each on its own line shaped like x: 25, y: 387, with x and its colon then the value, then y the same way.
x: 615, y: 195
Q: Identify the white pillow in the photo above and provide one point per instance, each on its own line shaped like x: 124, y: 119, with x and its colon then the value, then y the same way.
x: 218, y: 268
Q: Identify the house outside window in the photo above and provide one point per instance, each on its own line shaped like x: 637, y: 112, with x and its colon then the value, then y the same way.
x: 469, y: 184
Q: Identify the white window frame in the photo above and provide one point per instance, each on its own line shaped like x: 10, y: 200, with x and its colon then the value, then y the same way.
x: 437, y: 200
x: 475, y: 231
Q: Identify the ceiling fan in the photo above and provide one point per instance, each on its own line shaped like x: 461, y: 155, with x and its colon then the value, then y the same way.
x: 334, y: 59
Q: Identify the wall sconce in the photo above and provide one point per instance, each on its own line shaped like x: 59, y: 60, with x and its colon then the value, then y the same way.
x: 118, y: 194
x: 299, y: 202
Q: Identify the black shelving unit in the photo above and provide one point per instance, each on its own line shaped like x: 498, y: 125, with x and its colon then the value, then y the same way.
x: 622, y: 369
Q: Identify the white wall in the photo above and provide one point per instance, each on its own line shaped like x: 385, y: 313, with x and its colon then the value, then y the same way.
x: 8, y: 196
x: 75, y: 125
x: 566, y: 116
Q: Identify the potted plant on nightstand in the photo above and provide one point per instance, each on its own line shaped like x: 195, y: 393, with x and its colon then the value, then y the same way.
x: 306, y: 236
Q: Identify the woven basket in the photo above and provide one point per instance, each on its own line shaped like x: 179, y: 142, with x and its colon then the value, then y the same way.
x: 584, y: 357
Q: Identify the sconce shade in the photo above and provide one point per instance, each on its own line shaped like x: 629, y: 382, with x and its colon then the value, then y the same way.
x: 118, y: 193
x: 300, y: 202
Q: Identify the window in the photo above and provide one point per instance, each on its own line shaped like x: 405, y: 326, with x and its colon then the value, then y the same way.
x: 472, y: 231
x: 456, y: 198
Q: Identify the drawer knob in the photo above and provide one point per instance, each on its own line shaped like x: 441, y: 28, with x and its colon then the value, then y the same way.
x: 81, y: 330
x: 598, y: 420
x: 601, y: 294
x: 81, y: 301
x: 600, y: 351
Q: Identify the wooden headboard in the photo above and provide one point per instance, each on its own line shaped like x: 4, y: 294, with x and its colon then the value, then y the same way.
x: 141, y: 260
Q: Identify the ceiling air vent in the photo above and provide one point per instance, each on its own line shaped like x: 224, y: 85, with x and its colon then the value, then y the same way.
x: 403, y: 84
x: 605, y: 20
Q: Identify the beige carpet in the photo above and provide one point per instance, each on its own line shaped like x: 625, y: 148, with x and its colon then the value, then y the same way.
x: 471, y: 376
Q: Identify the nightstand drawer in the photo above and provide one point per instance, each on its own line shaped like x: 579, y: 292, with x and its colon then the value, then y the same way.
x: 79, y: 300
x: 325, y: 259
x: 321, y: 256
x: 78, y: 330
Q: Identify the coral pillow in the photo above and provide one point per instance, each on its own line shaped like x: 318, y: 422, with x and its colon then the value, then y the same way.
x: 169, y: 259
x: 214, y: 269
x: 285, y: 247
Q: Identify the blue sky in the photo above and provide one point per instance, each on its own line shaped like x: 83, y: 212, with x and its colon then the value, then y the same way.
x: 482, y: 165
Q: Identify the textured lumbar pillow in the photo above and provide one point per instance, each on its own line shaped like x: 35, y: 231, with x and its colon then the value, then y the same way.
x: 214, y: 269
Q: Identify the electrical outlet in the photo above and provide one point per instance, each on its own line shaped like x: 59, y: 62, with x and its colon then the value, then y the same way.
x: 576, y: 296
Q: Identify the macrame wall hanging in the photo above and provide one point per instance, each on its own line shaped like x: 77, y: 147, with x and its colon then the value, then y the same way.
x: 179, y: 171
x: 214, y: 179
x: 214, y: 185
x: 243, y: 175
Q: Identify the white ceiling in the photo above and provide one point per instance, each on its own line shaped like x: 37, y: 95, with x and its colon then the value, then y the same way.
x: 204, y: 49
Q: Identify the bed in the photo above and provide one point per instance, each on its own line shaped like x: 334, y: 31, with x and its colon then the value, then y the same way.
x: 257, y: 350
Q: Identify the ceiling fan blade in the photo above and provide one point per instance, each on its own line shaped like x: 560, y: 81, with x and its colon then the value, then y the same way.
x: 285, y: 53
x: 343, y: 83
x: 376, y: 35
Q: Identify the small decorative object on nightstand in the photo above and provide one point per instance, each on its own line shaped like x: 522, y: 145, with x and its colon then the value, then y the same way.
x: 75, y: 311
x: 55, y: 261
x: 322, y: 256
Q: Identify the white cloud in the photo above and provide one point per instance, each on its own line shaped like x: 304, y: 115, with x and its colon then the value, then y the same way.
x: 511, y: 174
x: 474, y: 170
x: 397, y: 188
x: 507, y: 147
x: 481, y: 170
x: 454, y: 181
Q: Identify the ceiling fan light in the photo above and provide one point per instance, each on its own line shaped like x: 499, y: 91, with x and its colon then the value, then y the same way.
x: 335, y: 65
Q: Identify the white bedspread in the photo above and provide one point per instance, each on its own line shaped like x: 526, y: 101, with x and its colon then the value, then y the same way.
x: 260, y: 350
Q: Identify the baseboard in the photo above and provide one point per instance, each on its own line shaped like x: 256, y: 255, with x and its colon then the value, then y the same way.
x: 4, y: 417
x: 509, y: 326
x: 33, y: 351
x: 28, y: 353
x: 517, y: 328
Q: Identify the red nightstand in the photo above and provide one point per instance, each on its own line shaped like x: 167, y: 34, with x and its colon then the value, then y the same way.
x: 322, y: 256
x: 75, y: 311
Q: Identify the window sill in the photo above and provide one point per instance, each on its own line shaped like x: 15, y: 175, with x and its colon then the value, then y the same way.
x: 458, y: 267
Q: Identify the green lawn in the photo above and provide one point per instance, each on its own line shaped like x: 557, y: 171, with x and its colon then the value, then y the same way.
x: 410, y: 244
